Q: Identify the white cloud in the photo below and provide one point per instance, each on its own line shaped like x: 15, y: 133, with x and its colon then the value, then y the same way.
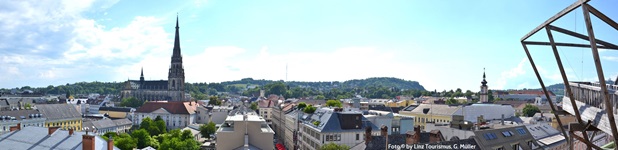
x: 610, y: 58
x: 507, y: 75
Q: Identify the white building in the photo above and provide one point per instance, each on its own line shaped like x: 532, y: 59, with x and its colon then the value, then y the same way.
x: 488, y: 111
x: 176, y: 114
x: 216, y: 114
x: 245, y: 131
x: 328, y: 125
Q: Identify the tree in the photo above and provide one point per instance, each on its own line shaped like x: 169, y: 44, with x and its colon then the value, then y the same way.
x: 28, y: 106
x: 309, y: 109
x: 452, y: 101
x: 131, y: 102
x: 254, y: 106
x: 146, y: 123
x: 333, y: 146
x: 207, y: 129
x: 277, y: 88
x: 320, y: 97
x: 160, y: 124
x: 301, y: 105
x: 144, y: 139
x: 125, y: 142
x: 214, y: 100
x: 176, y: 139
x: 334, y: 103
x: 530, y: 110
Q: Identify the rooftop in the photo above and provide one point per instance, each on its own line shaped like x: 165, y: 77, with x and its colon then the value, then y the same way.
x: 36, y: 138
x: 59, y: 111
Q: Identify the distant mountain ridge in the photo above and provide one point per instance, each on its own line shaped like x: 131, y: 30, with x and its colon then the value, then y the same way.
x: 116, y: 87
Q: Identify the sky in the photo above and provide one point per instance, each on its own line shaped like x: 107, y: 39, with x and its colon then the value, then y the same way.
x: 441, y: 44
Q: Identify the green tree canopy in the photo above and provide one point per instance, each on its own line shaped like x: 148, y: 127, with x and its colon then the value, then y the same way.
x: 131, y: 102
x: 530, y: 110
x: 144, y: 139
x: 160, y: 124
x: 146, y: 123
x: 254, y: 106
x: 333, y: 146
x: 207, y: 129
x: 309, y: 109
x: 214, y: 100
x: 125, y: 142
x: 334, y: 103
x: 452, y: 101
x: 277, y: 88
x: 176, y: 139
x: 301, y: 105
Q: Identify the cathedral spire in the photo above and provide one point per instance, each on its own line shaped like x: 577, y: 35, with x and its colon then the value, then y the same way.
x: 484, y: 82
x: 176, y: 57
x: 141, y: 78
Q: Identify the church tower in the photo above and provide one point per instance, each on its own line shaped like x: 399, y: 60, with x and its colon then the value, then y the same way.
x: 176, y: 77
x: 484, y: 90
x: 141, y: 78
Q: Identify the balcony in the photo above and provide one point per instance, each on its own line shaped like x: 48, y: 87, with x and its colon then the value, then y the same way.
x: 589, y: 101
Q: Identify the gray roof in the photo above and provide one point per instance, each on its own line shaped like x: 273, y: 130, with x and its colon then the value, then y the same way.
x: 36, y: 138
x: 379, y: 142
x: 436, y: 109
x: 337, y: 121
x: 19, y: 113
x: 503, y: 137
x: 58, y: 111
x: 120, y: 122
x: 103, y: 123
x: 541, y: 130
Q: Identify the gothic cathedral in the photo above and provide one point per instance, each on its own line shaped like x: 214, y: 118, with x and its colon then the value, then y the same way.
x: 154, y: 90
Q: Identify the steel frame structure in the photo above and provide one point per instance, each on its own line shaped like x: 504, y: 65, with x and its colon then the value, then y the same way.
x: 594, y: 45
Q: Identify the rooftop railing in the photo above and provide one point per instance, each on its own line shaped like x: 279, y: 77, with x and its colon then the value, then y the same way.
x: 591, y: 94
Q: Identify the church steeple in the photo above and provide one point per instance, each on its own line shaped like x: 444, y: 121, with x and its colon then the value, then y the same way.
x: 176, y: 57
x: 484, y: 82
x: 176, y: 76
x: 141, y: 78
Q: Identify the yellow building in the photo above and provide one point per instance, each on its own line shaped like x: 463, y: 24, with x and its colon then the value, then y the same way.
x: 402, y: 103
x: 424, y: 113
x: 64, y: 116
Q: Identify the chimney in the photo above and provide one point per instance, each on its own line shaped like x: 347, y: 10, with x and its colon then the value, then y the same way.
x: 110, y: 143
x: 51, y: 130
x: 384, y: 131
x: 70, y: 131
x: 417, y: 134
x: 410, y: 137
x: 88, y: 142
x: 368, y: 135
x: 502, y: 121
x: 15, y: 128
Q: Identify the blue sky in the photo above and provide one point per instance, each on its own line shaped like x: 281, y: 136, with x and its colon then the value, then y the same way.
x: 441, y: 44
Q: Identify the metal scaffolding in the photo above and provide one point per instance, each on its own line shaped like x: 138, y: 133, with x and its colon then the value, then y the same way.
x: 595, y: 44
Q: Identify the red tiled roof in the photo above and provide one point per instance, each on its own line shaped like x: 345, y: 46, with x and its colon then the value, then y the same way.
x: 172, y: 107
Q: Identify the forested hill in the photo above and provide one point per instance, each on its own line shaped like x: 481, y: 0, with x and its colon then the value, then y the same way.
x: 356, y: 83
x: 238, y: 86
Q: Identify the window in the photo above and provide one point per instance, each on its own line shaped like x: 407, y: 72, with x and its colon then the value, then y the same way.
x: 521, y: 131
x: 506, y: 133
x: 500, y: 148
x: 530, y: 143
x: 516, y: 146
x: 490, y: 136
x: 357, y: 136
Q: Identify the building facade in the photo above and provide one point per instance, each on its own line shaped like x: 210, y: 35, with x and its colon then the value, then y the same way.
x: 65, y: 116
x: 172, y: 89
x: 176, y: 115
x: 22, y: 118
x: 247, y: 131
x: 484, y: 90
